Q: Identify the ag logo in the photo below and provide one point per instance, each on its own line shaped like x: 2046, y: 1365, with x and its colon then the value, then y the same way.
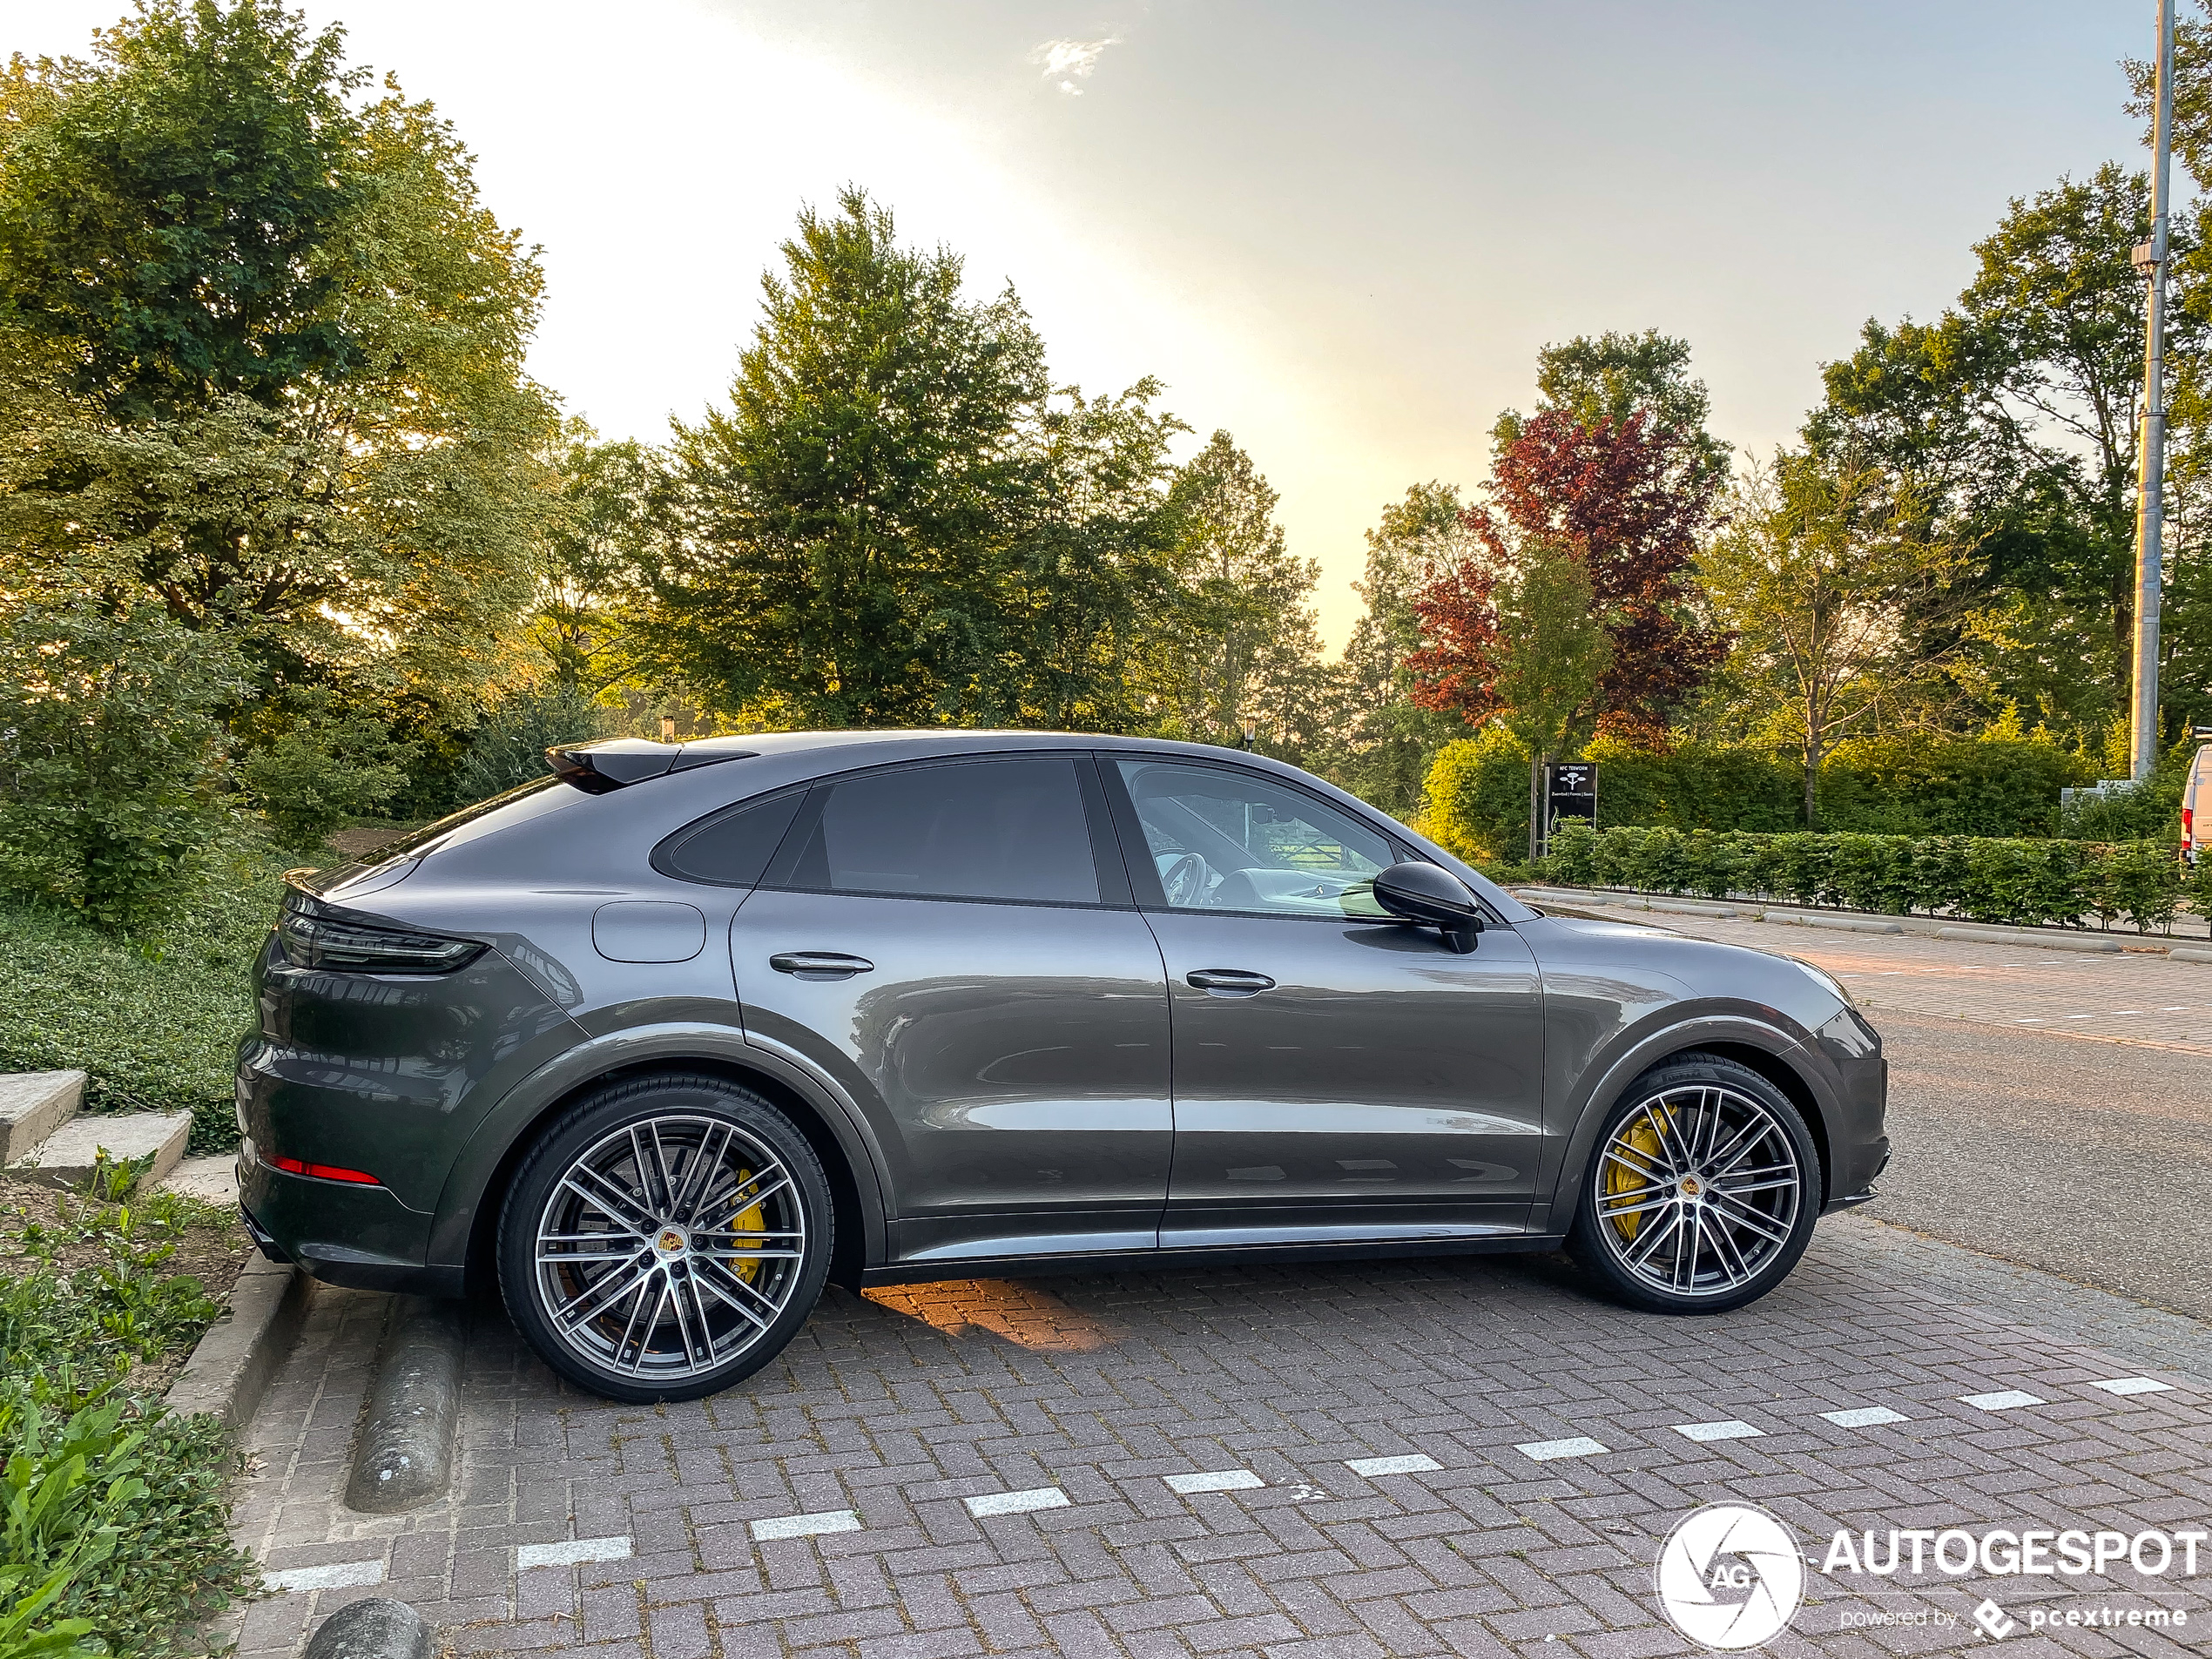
x: 1730, y: 1576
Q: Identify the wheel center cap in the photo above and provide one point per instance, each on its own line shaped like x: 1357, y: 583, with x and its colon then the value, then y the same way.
x: 671, y: 1242
x: 1691, y: 1186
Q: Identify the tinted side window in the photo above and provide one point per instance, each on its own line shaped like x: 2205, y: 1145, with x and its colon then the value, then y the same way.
x: 1228, y: 841
x: 732, y: 850
x: 983, y: 829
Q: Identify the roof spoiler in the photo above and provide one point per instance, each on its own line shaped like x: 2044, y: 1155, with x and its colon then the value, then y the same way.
x: 597, y: 768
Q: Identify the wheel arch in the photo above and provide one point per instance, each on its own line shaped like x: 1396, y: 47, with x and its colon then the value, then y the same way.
x: 465, y: 1232
x: 1774, y: 1055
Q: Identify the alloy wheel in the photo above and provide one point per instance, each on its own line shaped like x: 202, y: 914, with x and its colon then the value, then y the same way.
x: 1697, y: 1190
x: 668, y: 1247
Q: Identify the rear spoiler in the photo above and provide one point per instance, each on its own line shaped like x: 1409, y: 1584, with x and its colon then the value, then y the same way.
x: 596, y: 768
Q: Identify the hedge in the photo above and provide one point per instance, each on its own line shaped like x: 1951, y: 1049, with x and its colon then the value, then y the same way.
x: 1478, y: 790
x: 1984, y: 878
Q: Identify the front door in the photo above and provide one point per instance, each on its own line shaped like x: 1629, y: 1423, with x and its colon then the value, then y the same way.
x: 943, y: 940
x: 1337, y: 1075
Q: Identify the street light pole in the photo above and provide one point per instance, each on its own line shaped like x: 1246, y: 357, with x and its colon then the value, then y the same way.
x: 2150, y: 481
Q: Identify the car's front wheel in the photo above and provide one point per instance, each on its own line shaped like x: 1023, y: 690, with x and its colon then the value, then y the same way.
x: 665, y: 1239
x: 1703, y: 1190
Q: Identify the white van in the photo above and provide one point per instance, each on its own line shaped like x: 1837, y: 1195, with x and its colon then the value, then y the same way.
x: 2196, y: 803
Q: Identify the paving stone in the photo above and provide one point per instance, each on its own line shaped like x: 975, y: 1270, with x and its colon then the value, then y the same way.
x: 897, y: 1413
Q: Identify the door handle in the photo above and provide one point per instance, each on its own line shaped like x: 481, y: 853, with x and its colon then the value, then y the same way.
x: 1228, y: 981
x: 820, y: 964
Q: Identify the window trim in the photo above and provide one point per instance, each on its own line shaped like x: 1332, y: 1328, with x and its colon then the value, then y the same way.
x: 1106, y: 863
x: 1137, y: 851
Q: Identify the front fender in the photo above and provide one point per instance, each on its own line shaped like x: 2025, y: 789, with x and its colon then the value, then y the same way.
x: 468, y: 1186
x: 1600, y: 1085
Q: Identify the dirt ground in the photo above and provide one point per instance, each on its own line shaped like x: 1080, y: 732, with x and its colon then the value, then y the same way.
x: 214, y: 1250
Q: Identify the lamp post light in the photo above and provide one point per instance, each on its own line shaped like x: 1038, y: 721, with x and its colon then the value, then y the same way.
x: 667, y: 728
x: 1252, y: 732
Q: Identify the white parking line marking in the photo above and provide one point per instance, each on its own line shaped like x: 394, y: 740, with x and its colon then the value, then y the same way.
x: 1415, y: 1464
x: 2134, y: 1386
x: 1015, y: 1503
x: 1545, y: 1451
x: 2004, y: 1400
x: 806, y: 1526
x: 1865, y: 1416
x: 337, y: 1576
x: 1731, y: 1430
x: 1218, y: 1480
x: 573, y: 1553
x: 2028, y: 1023
x: 2116, y: 1013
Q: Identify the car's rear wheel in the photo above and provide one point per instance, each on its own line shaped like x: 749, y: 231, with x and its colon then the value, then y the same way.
x: 665, y: 1239
x: 1703, y: 1190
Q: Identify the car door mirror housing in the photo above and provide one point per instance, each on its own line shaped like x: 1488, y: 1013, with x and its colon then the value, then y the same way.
x: 1433, y: 897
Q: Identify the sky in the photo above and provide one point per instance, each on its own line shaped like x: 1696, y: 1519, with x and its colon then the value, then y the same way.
x: 1342, y: 232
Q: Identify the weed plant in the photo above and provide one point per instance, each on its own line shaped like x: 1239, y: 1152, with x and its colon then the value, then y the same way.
x: 113, y: 1520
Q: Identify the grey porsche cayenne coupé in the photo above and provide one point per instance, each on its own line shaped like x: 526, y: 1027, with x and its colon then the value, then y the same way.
x: 666, y: 1041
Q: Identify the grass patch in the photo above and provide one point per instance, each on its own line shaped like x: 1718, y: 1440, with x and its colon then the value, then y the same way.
x: 153, y: 1017
x: 114, y: 1525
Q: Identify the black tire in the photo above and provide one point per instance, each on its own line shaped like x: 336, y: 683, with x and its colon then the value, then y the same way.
x: 624, y: 1205
x: 1669, y: 1217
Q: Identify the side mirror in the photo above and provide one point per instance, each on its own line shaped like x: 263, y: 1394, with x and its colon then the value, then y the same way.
x: 1432, y: 896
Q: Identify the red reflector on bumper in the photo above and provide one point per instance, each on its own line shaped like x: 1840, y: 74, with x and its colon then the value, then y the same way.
x: 324, y: 1171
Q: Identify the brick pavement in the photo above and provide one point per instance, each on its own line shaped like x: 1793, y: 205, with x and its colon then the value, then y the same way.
x: 2147, y: 998
x: 901, y: 1407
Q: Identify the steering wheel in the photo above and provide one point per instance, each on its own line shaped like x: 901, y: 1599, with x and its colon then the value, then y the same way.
x: 1186, y: 881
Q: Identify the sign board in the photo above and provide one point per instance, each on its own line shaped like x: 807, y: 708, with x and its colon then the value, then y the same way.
x: 1571, y: 788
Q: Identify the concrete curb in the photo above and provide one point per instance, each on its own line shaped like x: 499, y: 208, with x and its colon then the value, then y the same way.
x: 1927, y: 927
x: 405, y: 1453
x: 378, y: 1627
x: 230, y: 1370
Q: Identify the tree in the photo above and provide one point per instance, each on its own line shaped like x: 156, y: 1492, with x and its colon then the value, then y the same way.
x: 1247, y: 643
x: 1524, y: 648
x: 269, y: 352
x: 896, y: 520
x: 1382, y: 741
x: 110, y: 754
x: 2012, y: 420
x: 1616, y: 375
x: 1816, y: 570
x: 1629, y: 500
x: 593, y: 566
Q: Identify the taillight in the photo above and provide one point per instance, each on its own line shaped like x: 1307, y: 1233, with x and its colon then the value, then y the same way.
x: 313, y: 939
x: 325, y: 1172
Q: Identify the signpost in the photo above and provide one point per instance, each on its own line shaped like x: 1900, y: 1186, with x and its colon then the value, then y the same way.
x: 1570, y: 790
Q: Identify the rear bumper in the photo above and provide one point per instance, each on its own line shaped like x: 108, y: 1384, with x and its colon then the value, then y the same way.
x: 299, y: 1219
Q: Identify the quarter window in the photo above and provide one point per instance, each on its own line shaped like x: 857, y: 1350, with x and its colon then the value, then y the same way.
x: 988, y: 829
x: 1227, y: 840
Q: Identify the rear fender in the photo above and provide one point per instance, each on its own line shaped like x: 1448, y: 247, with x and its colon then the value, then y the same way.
x: 471, y: 1185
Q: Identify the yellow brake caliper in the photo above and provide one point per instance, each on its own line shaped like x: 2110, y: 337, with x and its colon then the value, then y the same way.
x: 747, y: 1221
x: 1643, y: 1141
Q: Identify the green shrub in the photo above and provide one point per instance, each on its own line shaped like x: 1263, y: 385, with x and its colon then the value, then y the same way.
x: 113, y: 1515
x: 110, y: 757
x: 508, y: 747
x: 1986, y: 878
x: 2006, y: 788
x: 153, y: 1019
x: 329, y: 761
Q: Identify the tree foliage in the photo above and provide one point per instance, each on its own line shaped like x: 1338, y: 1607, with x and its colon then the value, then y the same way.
x: 897, y: 521
x: 263, y: 345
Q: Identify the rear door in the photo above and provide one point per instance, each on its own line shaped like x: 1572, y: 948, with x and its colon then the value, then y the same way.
x: 946, y: 941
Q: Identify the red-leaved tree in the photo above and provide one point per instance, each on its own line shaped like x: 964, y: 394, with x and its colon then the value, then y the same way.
x: 1627, y: 499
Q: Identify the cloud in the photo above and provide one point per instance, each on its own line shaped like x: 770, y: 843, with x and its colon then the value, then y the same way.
x: 1071, y: 61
